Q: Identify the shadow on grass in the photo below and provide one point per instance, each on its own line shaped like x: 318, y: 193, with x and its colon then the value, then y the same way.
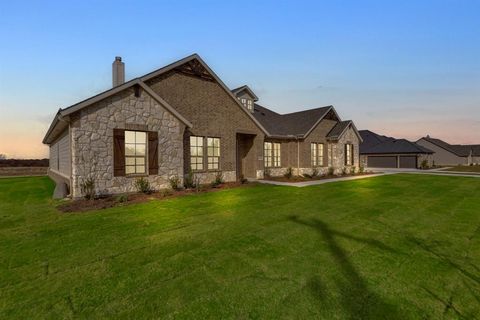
x: 357, y: 299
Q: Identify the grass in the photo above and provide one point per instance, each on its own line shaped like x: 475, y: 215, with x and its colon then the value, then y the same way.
x: 475, y: 168
x: 397, y: 247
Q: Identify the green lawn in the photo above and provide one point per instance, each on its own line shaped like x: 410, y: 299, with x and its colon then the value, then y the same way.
x: 475, y: 168
x: 398, y: 246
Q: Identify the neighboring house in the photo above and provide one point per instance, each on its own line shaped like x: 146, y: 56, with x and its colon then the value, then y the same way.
x: 377, y: 151
x: 183, y: 118
x: 451, y: 154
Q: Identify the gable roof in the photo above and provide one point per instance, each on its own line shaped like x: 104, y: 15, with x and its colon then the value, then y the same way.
x: 62, y: 113
x: 59, y: 122
x: 457, y: 149
x: 297, y: 124
x: 340, y: 128
x: 245, y: 88
x: 378, y: 144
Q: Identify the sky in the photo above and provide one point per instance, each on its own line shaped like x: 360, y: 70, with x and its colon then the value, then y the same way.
x: 400, y: 68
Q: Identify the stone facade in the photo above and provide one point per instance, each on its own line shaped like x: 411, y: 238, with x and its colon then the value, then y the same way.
x: 92, y: 141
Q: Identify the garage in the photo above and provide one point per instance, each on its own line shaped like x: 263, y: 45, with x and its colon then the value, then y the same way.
x: 408, y: 162
x: 381, y: 161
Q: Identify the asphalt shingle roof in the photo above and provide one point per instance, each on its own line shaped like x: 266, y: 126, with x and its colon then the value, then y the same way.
x: 338, y: 129
x: 461, y: 150
x: 378, y: 144
x: 290, y: 124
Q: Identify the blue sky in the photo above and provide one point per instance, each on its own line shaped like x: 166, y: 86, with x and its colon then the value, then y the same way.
x: 401, y: 68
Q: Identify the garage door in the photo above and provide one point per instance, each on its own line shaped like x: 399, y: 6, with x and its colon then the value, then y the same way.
x: 381, y: 162
x: 408, y: 161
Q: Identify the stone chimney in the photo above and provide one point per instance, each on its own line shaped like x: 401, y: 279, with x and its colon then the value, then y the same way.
x: 118, y: 72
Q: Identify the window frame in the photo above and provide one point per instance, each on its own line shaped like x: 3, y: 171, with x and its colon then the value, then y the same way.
x: 249, y: 104
x: 267, y: 154
x: 213, y: 157
x: 272, y: 155
x: 135, y: 157
x: 197, y: 157
x: 349, y: 158
x: 277, y: 158
x: 317, y: 160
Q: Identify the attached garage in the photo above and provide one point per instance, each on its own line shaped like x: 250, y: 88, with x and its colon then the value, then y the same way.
x: 381, y: 162
x: 408, y: 161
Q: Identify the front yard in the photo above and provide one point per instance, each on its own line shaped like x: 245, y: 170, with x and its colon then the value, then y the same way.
x: 398, y: 246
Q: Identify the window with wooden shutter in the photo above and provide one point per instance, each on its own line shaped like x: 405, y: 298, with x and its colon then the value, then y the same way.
x: 118, y: 152
x: 152, y: 152
x: 135, y: 152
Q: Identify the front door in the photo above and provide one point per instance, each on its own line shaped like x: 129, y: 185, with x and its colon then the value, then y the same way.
x: 245, y: 156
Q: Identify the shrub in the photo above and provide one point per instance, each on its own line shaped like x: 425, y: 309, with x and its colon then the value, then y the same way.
x: 196, y: 183
x: 143, y: 185
x: 174, y: 182
x: 309, y: 176
x: 424, y: 164
x: 243, y: 180
x: 189, y: 182
x: 289, y: 173
x: 331, y: 171
x: 122, y: 198
x: 218, y: 179
x: 361, y: 169
x: 344, y: 171
x: 166, y: 192
x: 314, y: 172
x: 267, y: 173
x: 353, y: 170
x: 87, y: 187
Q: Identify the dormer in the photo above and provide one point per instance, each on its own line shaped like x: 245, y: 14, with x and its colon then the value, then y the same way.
x: 246, y: 96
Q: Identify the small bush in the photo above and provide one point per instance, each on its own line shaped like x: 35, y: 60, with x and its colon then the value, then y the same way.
x: 344, y: 171
x: 122, y: 198
x: 143, y: 185
x: 309, y: 176
x: 361, y: 169
x: 289, y: 173
x: 87, y: 187
x: 424, y: 164
x: 243, y: 180
x: 331, y: 171
x: 218, y: 179
x: 196, y: 183
x: 315, y: 172
x: 174, y: 182
x: 353, y: 170
x: 189, y: 182
x: 166, y: 192
x: 267, y: 173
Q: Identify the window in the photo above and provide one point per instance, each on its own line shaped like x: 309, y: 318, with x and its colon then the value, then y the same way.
x: 250, y: 105
x: 276, y: 154
x: 267, y: 154
x: 317, y: 154
x: 135, y: 152
x: 213, y: 153
x: 332, y: 154
x: 196, y: 153
x: 244, y: 102
x: 348, y: 154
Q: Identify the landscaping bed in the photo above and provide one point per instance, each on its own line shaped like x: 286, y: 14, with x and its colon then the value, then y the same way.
x: 109, y: 201
x: 314, y: 178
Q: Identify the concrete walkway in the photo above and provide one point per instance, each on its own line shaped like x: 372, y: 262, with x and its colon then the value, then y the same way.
x: 316, y: 182
x: 440, y: 172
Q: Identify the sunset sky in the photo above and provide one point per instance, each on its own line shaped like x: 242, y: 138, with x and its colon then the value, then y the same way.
x: 399, y: 68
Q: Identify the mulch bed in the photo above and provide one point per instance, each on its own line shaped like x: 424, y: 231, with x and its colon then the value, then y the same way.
x: 109, y: 201
x: 304, y: 179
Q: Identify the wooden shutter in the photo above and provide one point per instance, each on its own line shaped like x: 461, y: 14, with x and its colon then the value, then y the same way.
x: 118, y: 152
x: 345, y: 154
x: 152, y: 152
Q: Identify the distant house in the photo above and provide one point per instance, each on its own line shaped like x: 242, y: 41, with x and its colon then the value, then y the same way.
x: 378, y: 151
x: 451, y: 154
x: 182, y: 118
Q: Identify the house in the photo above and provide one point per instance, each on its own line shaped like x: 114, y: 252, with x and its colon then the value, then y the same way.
x: 182, y: 118
x: 451, y: 154
x: 378, y: 151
